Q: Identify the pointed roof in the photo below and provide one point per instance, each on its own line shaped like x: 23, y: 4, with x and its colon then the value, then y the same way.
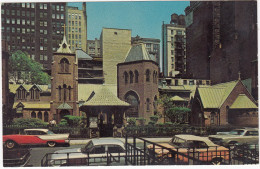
x: 137, y: 52
x: 64, y: 106
x: 64, y: 46
x: 243, y: 102
x: 82, y: 55
x: 32, y: 105
x: 104, y: 97
x: 178, y: 98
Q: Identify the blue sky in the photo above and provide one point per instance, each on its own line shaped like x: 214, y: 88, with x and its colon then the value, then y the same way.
x: 143, y: 18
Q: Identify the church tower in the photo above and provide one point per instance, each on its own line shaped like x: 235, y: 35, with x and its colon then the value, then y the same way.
x: 64, y: 83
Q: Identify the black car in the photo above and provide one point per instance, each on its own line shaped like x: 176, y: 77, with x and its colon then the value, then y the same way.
x: 16, y: 157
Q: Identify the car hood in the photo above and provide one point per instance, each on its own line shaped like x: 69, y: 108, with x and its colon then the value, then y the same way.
x: 224, y: 136
x: 68, y: 153
x: 71, y: 150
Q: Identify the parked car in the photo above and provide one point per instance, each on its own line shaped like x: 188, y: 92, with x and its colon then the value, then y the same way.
x: 248, y: 153
x: 35, y: 137
x: 244, y: 135
x: 96, y: 152
x: 186, y: 147
x: 16, y: 157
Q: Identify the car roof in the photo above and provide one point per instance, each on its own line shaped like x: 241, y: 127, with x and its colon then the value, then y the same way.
x: 190, y: 137
x: 102, y: 141
x: 45, y: 130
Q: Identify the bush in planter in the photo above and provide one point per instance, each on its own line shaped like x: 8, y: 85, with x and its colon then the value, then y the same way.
x: 154, y: 118
x: 131, y: 121
x: 141, y: 121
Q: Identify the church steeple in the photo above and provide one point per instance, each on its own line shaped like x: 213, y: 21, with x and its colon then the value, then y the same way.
x: 64, y: 46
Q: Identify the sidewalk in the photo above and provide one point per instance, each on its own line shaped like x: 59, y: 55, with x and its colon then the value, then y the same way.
x: 130, y: 140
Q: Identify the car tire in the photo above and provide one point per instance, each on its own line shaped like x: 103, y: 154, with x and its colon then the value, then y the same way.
x: 217, y: 161
x: 51, y: 144
x: 10, y: 144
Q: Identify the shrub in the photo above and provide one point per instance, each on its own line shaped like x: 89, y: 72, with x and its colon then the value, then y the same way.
x: 132, y: 121
x: 154, y: 118
x: 72, y: 120
x: 29, y: 122
x: 141, y: 121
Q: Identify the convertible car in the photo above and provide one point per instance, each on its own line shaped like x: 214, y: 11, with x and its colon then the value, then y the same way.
x: 35, y: 137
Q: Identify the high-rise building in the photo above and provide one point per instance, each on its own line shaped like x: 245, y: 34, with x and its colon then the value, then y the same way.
x: 151, y: 45
x: 77, y: 28
x: 222, y: 41
x: 115, y: 43
x: 35, y: 28
x: 93, y: 48
x: 174, y: 47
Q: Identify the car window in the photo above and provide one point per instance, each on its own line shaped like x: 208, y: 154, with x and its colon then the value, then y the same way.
x: 88, y: 147
x: 115, y: 149
x: 251, y: 133
x: 237, y: 132
x: 178, y: 142
x: 50, y: 132
x: 40, y: 133
x: 197, y: 144
x: 98, y: 150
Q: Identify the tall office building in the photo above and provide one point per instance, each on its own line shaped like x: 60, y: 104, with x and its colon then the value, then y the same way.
x: 222, y: 41
x: 174, y: 47
x: 151, y: 45
x: 77, y: 28
x: 35, y: 28
x: 93, y: 48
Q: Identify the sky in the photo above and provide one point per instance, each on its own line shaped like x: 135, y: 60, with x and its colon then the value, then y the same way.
x: 143, y: 18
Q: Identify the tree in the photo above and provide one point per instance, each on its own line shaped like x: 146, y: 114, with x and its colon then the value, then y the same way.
x: 22, y: 69
x: 177, y: 114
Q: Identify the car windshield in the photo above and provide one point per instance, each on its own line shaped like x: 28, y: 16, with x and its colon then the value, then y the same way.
x: 50, y: 132
x: 180, y: 143
x: 88, y: 147
x: 237, y: 132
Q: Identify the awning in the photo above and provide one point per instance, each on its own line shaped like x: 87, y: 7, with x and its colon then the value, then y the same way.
x: 64, y: 106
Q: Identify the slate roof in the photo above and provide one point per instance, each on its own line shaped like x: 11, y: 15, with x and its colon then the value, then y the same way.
x: 43, y: 88
x: 104, y: 97
x: 243, y: 102
x: 137, y: 52
x: 178, y: 98
x: 64, y: 106
x: 33, y: 105
x: 82, y: 55
x: 64, y: 46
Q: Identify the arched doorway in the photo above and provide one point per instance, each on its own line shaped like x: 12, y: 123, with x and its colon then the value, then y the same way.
x: 132, y: 98
x: 46, y: 116
x: 39, y: 115
x: 64, y: 113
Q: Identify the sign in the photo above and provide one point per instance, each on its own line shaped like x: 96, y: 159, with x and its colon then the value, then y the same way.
x: 93, y: 122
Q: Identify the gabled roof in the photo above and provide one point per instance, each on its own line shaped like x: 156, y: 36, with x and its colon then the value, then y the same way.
x: 64, y: 46
x: 214, y: 96
x: 37, y: 86
x: 32, y: 105
x: 136, y: 53
x: 104, y: 97
x: 64, y: 106
x: 243, y: 102
x: 178, y: 98
x: 43, y: 88
x: 82, y: 55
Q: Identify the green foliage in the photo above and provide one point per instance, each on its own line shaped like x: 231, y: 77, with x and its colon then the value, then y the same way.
x: 63, y: 122
x: 132, y: 121
x: 29, y: 122
x: 141, y: 120
x: 176, y: 113
x: 154, y: 118
x: 72, y: 120
x: 22, y: 67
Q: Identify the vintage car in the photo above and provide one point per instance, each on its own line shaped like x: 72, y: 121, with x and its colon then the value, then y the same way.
x: 188, y: 147
x: 16, y: 157
x: 94, y: 153
x: 35, y: 137
x: 244, y: 135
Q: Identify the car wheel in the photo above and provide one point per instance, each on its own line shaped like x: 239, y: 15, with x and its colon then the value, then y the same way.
x: 51, y: 144
x: 10, y: 144
x: 217, y: 161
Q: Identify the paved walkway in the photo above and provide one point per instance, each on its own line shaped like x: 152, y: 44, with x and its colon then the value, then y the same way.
x: 130, y: 140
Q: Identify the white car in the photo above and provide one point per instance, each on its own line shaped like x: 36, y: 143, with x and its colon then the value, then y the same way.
x: 94, y: 153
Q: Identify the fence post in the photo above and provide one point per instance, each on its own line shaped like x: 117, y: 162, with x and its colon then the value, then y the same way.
x: 126, y: 148
x: 144, y: 152
x: 134, y: 150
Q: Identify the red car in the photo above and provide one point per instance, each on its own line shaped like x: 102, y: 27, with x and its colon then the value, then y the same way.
x: 35, y: 137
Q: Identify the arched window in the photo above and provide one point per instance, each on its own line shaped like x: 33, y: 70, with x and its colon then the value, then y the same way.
x: 65, y: 91
x: 133, y: 99
x: 136, y: 76
x: 131, y: 77
x: 33, y: 115
x: 59, y: 93
x: 64, y: 65
x: 212, y: 117
x: 35, y: 93
x: 147, y: 73
x: 21, y: 93
x: 155, y: 105
x: 32, y: 94
x: 46, y: 116
x: 155, y: 77
x: 126, y: 77
x: 147, y: 104
x: 69, y: 93
x: 39, y: 115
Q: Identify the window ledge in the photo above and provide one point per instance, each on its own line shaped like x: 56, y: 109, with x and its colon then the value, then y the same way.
x: 64, y: 73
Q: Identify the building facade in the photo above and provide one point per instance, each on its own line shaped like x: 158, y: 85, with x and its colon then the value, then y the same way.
x: 35, y: 28
x: 222, y: 41
x: 152, y: 46
x: 138, y: 82
x: 174, y: 47
x: 115, y: 43
x: 93, y: 48
x: 77, y: 28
